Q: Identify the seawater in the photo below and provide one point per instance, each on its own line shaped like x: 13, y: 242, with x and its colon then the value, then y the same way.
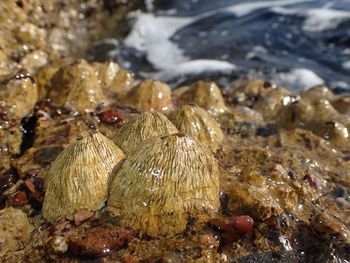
x: 296, y: 43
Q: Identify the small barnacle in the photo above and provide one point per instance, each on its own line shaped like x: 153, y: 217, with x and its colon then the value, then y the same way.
x: 206, y: 95
x: 335, y: 132
x: 105, y: 72
x: 247, y: 90
x: 44, y: 75
x: 317, y: 93
x: 270, y: 104
x: 76, y: 86
x: 197, y: 123
x: 162, y: 182
x: 150, y: 95
x: 145, y: 126
x: 19, y: 93
x: 123, y: 82
x: 79, y: 176
x: 342, y: 104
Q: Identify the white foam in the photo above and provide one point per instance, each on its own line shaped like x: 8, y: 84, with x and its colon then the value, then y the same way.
x: 300, y: 78
x: 317, y: 19
x: 151, y: 34
x: 194, y: 67
x: 346, y: 65
x: 246, y: 8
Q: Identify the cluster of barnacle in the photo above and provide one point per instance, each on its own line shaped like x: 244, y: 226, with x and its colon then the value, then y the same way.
x: 316, y: 109
x: 159, y: 167
x: 163, y: 165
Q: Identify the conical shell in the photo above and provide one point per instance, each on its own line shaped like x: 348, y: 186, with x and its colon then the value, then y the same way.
x: 160, y: 184
x: 206, y: 95
x: 150, y: 95
x: 76, y: 86
x: 145, y: 126
x: 196, y: 122
x: 78, y: 178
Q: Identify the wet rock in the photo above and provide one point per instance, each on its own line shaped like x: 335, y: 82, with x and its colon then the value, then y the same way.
x: 7, y: 179
x: 15, y: 230
x: 99, y: 241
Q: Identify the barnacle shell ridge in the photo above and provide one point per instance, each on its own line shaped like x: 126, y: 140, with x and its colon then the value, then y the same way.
x: 145, y: 126
x: 163, y: 181
x: 78, y: 178
x: 197, y: 123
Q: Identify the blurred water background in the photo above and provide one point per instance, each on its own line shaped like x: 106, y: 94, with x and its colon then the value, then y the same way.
x: 296, y: 43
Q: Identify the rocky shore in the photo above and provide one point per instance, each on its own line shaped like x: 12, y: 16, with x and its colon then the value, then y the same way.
x: 97, y: 166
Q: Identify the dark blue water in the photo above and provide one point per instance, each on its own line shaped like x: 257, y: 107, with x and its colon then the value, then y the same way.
x: 295, y: 43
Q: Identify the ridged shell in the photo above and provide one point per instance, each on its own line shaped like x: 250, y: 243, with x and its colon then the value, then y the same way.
x: 150, y: 95
x: 78, y: 178
x: 162, y: 182
x: 145, y: 126
x: 206, y: 95
x: 196, y: 122
x: 76, y: 86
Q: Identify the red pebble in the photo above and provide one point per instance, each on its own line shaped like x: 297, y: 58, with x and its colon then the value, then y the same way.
x: 311, y: 182
x: 99, y: 241
x: 111, y: 116
x: 18, y: 199
x: 244, y: 224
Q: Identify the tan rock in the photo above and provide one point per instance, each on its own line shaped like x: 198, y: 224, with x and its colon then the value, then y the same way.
x: 15, y: 230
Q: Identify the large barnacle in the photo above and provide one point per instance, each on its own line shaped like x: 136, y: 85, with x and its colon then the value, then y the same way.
x: 197, y: 123
x: 78, y: 178
x: 145, y: 126
x: 162, y: 182
x: 150, y: 95
x: 206, y: 95
x: 76, y: 86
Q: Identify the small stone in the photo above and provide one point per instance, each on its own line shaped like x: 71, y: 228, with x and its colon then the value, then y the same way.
x: 57, y: 244
x: 18, y: 199
x: 111, y: 116
x: 99, y: 241
x: 81, y: 216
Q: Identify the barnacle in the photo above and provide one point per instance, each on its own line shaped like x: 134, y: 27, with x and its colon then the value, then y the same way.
x: 150, y: 95
x: 145, y: 126
x: 206, y: 95
x: 114, y: 80
x: 270, y: 104
x: 78, y: 178
x: 197, y: 123
x: 76, y: 86
x: 162, y: 182
x: 18, y: 93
